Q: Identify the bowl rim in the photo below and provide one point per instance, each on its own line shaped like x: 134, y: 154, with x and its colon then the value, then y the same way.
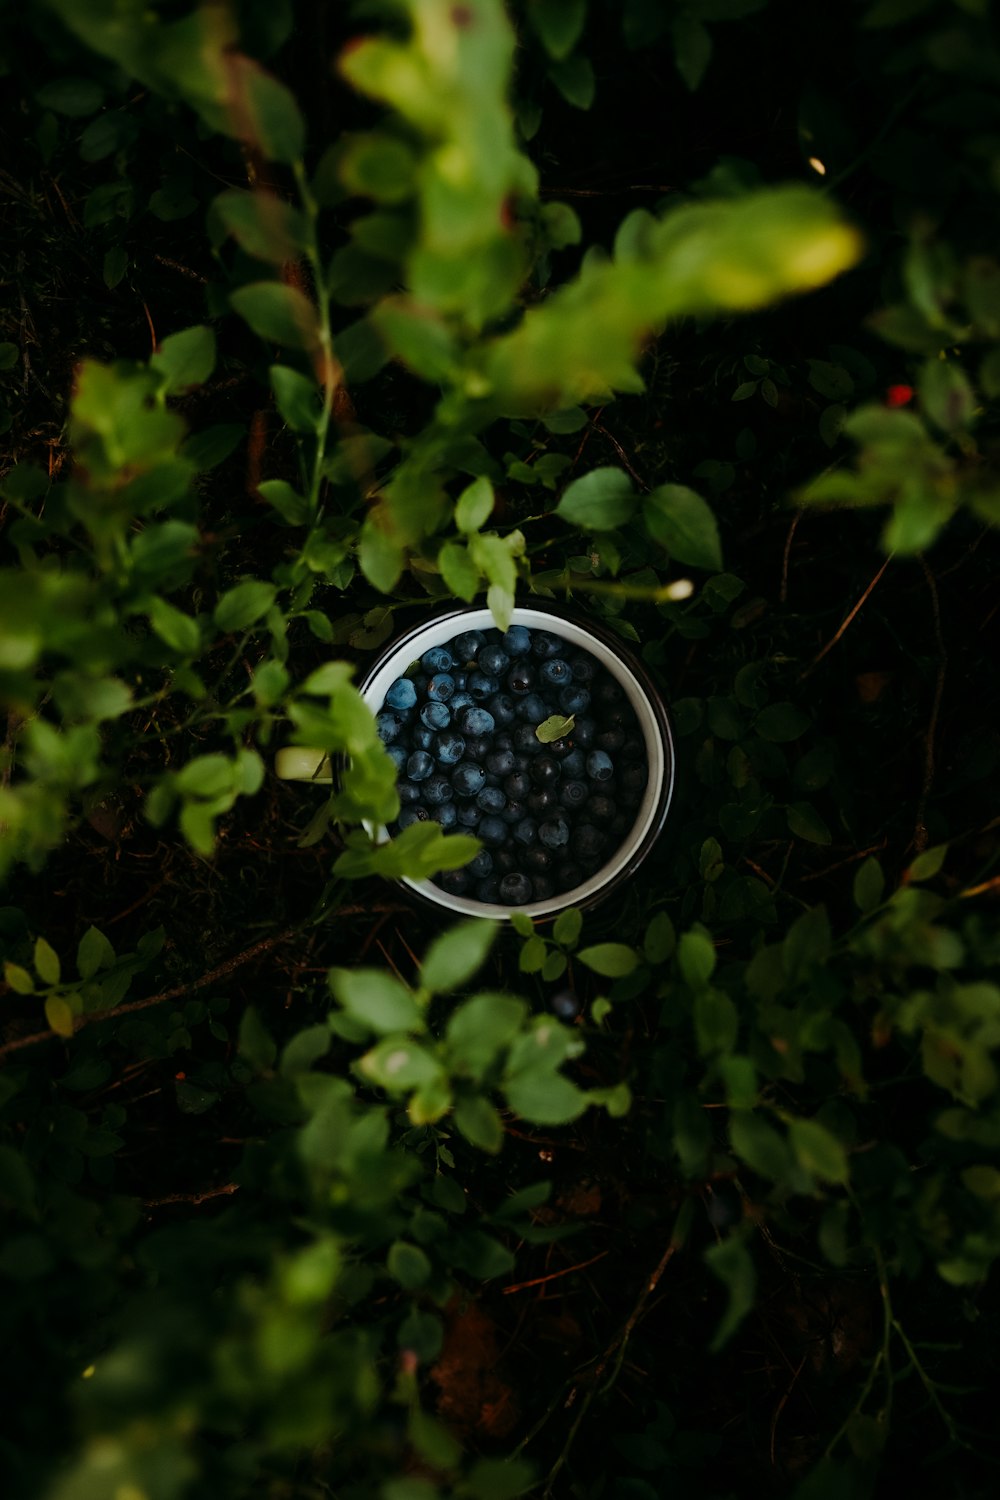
x: 656, y: 803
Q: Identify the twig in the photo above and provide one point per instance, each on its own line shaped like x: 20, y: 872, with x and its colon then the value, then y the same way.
x: 850, y: 860
x: 920, y: 834
x: 843, y: 626
x: 616, y: 445
x: 785, y: 560
x: 195, y: 1198
x: 521, y: 1286
x: 781, y: 1406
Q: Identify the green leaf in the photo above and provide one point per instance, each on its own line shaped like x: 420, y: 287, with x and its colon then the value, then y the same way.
x: 555, y: 728
x: 474, y: 505
x: 379, y: 1000
x: 696, y: 958
x: 533, y: 955
x: 945, y: 394
x: 818, y: 1150
x: 185, y: 359
x: 263, y: 224
x: 275, y: 120
x: 457, y: 954
x: 499, y: 1478
x: 255, y: 1042
x: 501, y: 604
x: 831, y: 381
x: 376, y: 166
x: 174, y: 627
x: 207, y: 449
x: 558, y: 24
x: 20, y: 981
x: 680, y: 520
x: 74, y: 97
x: 399, y: 1064
x: 732, y: 1263
x: 568, y: 926
x: 46, y: 960
x: 408, y: 1265
x: 545, y: 1098
x: 289, y: 504
x: 804, y: 821
x: 611, y: 960
x: 93, y: 954
x: 279, y: 313
x: 245, y: 604
x: 574, y: 78
x: 927, y: 865
x: 479, y: 1123
x: 114, y: 266
x: 716, y: 1020
x: 598, y: 501
x: 660, y: 940
x: 692, y: 49
x: 459, y: 571
x: 59, y: 1015
x: 760, y: 1146
x: 781, y: 722
x: 297, y: 398
x: 381, y: 556
x: 869, y: 885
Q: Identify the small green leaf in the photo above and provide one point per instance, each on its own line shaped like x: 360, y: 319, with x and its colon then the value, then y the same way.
x: 574, y: 78
x: 474, y: 505
x: 479, y: 1123
x: 533, y: 955
x: 255, y: 1042
x: 379, y: 1000
x: 692, y: 49
x: 732, y: 1263
x: 680, y: 520
x: 598, y: 501
x: 399, y: 1064
x: 611, y: 960
x: 558, y: 24
x: 455, y: 956
x: 59, y: 1015
x: 696, y: 958
x: 93, y: 954
x: 46, y: 959
x: 781, y: 723
x: 245, y: 604
x: 380, y: 555
x: 185, y: 359
x: 660, y: 940
x: 279, y: 313
x: 174, y: 627
x: 408, y: 1265
x: 296, y: 397
x: 501, y: 604
x: 459, y: 572
x: 818, y: 1150
x: 555, y: 728
x: 869, y: 884
x: 804, y: 821
x: 545, y: 1098
x: 74, y: 97
x: 568, y: 926
x: 115, y: 265
x: 927, y: 865
x: 274, y: 119
x: 19, y: 979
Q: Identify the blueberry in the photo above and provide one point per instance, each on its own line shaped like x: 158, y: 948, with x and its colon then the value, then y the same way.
x: 502, y: 708
x: 501, y: 741
x: 633, y: 777
x: 556, y: 672
x: 538, y: 859
x: 445, y: 814
x: 488, y: 891
x: 459, y: 700
x: 565, y: 1005
x: 437, y: 659
x: 461, y: 681
x: 573, y: 765
x: 420, y: 681
x: 588, y: 842
x: 493, y: 831
x: 505, y: 861
x: 435, y: 715
x: 481, y: 866
x: 544, y: 645
x: 467, y: 645
x: 634, y: 747
x: 608, y: 692
x: 493, y: 660
x: 573, y: 794
x: 481, y: 686
x: 419, y: 766
x: 402, y: 694
x: 476, y: 721
x: 513, y: 812
x: 583, y: 666
x: 500, y: 762
x: 517, y: 641
x: 422, y: 738
x: 469, y: 815
x: 554, y: 833
x: 568, y: 876
x: 560, y: 748
x: 491, y: 799
x: 526, y: 832
x: 601, y: 809
x: 573, y: 699
x: 533, y: 709
x: 621, y: 824
x: 583, y: 733
x: 515, y: 890
x: 441, y: 687
x: 468, y: 778
x: 522, y: 758
x: 409, y: 815
x: 544, y: 888
x: 520, y: 679
x: 437, y: 789
x: 600, y: 766
x: 610, y: 740
x: 478, y: 747
x: 544, y: 770
x: 542, y: 802
x: 448, y: 748
x: 408, y: 792
x: 388, y: 726
x: 397, y: 754
x: 517, y: 786
x: 455, y: 882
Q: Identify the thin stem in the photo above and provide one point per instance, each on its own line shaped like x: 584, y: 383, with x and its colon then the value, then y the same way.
x: 328, y: 361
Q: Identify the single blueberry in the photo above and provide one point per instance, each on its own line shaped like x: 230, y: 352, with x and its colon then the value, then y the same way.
x: 583, y: 666
x: 526, y: 832
x: 533, y: 709
x: 542, y: 802
x: 500, y: 762
x: 419, y: 766
x: 493, y: 637
x: 601, y: 809
x: 388, y: 726
x: 492, y: 780
x: 633, y: 777
x: 544, y: 645
x: 402, y: 694
x: 408, y: 792
x: 573, y: 794
x: 461, y: 699
x: 476, y: 721
x: 435, y: 715
x: 505, y: 861
x: 526, y: 741
x: 437, y: 789
x: 481, y: 686
x: 573, y: 765
x: 481, y: 866
x: 437, y: 659
x: 543, y: 887
x: 448, y: 748
x: 517, y: 641
x: 583, y: 733
x: 491, y: 799
x: 560, y: 748
x: 445, y: 814
x: 467, y: 645
x: 461, y: 681
x: 565, y: 1005
x: 515, y: 890
x: 610, y: 740
x: 520, y: 679
x: 600, y: 766
x: 517, y: 786
x: 607, y: 692
x: 421, y: 737
x: 502, y: 708
x: 441, y: 687
x: 568, y: 876
x: 554, y: 833
x: 621, y: 824
x: 420, y: 681
x: 397, y: 754
x: 468, y: 778
x: 513, y: 812
x: 410, y: 815
x: 544, y: 770
x: 455, y: 882
x: 634, y: 747
x: 488, y: 891
x: 469, y: 815
x: 493, y: 660
x: 502, y: 741
x: 573, y: 699
x: 556, y: 673
x: 493, y: 831
x: 477, y: 747
x: 588, y: 842
x: 538, y: 859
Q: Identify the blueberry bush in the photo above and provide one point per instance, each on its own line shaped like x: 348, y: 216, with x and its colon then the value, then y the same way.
x: 318, y: 316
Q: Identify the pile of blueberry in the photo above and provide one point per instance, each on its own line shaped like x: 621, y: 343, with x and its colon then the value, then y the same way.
x: 462, y: 727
